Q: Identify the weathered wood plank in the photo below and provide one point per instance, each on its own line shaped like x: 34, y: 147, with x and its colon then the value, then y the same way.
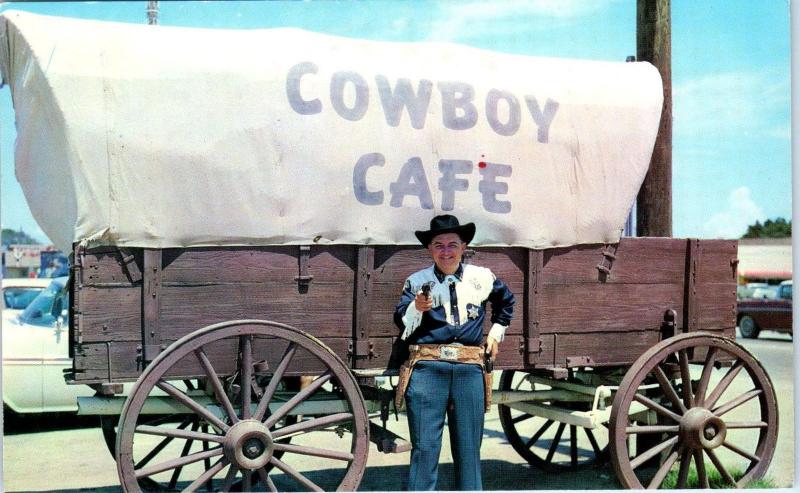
x: 638, y: 260
x: 105, y: 265
x: 716, y: 307
x: 111, y: 314
x: 603, y: 349
x: 719, y: 262
x: 362, y: 301
x: 328, y: 263
x: 326, y: 310
x: 607, y: 307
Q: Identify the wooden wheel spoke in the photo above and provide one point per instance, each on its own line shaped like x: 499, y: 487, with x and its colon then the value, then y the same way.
x: 705, y: 377
x: 720, y: 468
x: 186, y: 447
x: 573, y: 445
x: 593, y: 441
x: 207, y: 460
x: 294, y: 474
x: 216, y: 384
x: 227, y: 484
x: 657, y: 407
x: 181, y: 461
x: 521, y: 417
x: 669, y: 391
x: 633, y: 430
x: 247, y: 480
x: 683, y: 473
x: 741, y: 451
x: 316, y: 452
x: 738, y: 401
x: 179, y: 433
x: 312, y: 424
x: 163, y: 443
x: 663, y: 470
x: 539, y: 433
x: 275, y: 381
x: 298, y: 398
x: 652, y: 452
x: 192, y: 404
x: 246, y: 345
x: 686, y: 379
x: 207, y: 475
x: 723, y: 384
x: 554, y: 444
x: 700, y: 465
x: 745, y: 424
x: 262, y: 473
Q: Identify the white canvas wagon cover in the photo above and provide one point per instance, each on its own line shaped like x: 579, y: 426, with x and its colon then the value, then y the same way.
x: 154, y: 136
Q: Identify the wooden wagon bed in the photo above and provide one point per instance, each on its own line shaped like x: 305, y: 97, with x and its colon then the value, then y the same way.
x: 587, y: 305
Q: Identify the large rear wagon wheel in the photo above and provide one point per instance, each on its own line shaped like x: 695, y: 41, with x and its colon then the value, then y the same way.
x: 233, y: 441
x: 711, y: 417
x: 547, y: 444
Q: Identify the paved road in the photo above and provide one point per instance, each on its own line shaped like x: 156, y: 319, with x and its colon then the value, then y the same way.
x: 68, y: 453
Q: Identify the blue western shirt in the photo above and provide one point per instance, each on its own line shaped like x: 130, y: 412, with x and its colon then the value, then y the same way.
x: 459, y: 306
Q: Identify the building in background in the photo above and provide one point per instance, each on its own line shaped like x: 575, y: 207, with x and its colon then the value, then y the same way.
x: 765, y: 260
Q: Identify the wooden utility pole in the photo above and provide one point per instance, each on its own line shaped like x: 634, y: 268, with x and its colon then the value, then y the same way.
x: 654, y: 45
x: 152, y: 12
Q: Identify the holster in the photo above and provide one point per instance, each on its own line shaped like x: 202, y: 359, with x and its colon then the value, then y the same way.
x: 443, y: 352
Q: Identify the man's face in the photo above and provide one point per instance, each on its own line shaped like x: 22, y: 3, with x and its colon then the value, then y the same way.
x: 447, y: 250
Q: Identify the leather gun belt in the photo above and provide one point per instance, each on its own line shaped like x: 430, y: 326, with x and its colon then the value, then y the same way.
x: 443, y: 352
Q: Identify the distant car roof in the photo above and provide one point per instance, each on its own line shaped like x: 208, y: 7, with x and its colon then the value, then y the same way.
x: 25, y: 282
x: 784, y: 283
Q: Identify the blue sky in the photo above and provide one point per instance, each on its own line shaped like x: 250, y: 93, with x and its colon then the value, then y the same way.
x: 730, y: 76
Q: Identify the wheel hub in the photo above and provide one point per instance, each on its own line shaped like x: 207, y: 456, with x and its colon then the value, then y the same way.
x: 248, y: 444
x: 701, y: 429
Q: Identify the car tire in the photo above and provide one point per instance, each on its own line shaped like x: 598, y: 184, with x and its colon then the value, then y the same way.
x: 748, y: 327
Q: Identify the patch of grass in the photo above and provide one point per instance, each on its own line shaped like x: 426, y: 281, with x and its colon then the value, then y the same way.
x: 715, y: 479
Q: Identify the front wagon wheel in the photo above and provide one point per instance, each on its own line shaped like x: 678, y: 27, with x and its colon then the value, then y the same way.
x: 234, y: 440
x: 716, y: 412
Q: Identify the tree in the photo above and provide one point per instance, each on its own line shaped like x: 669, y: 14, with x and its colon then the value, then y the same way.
x: 779, y: 228
x: 12, y: 237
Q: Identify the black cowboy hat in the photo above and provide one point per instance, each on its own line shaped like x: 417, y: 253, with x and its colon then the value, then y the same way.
x: 446, y: 224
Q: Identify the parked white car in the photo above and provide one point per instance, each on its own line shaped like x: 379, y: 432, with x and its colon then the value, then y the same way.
x: 18, y: 293
x: 35, y: 353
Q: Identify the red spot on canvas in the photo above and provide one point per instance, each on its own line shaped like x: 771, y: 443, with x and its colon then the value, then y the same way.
x: 482, y: 164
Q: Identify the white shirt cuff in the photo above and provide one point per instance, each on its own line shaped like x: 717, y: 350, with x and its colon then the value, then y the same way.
x: 411, y: 320
x: 498, y: 332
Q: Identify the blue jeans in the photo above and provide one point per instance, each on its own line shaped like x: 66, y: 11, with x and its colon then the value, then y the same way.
x: 438, y: 388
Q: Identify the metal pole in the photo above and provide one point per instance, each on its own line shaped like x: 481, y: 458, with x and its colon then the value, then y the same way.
x: 654, y: 45
x: 152, y: 12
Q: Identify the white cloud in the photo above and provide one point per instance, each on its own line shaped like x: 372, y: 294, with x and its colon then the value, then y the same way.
x: 732, y: 222
x: 733, y: 104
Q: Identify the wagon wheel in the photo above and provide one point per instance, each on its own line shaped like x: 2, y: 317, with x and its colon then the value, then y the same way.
x: 231, y: 444
x: 108, y: 423
x: 726, y: 415
x: 545, y: 443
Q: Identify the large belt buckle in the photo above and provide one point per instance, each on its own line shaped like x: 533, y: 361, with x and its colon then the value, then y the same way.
x: 448, y: 352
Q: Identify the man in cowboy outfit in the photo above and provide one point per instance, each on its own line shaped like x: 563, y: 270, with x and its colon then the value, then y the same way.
x: 441, y: 315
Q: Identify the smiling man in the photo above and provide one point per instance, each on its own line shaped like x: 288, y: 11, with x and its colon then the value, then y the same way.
x: 441, y: 314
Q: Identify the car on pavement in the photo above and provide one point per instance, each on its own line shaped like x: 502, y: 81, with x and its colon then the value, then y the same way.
x: 35, y: 353
x: 18, y: 293
x: 754, y: 315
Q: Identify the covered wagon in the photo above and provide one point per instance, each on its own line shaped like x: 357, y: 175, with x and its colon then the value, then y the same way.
x: 240, y: 222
